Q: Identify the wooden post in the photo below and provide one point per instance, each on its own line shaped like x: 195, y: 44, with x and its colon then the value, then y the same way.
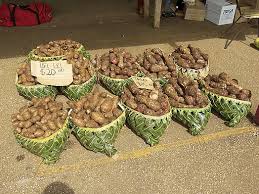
x: 158, y: 6
x: 146, y: 8
x: 257, y: 4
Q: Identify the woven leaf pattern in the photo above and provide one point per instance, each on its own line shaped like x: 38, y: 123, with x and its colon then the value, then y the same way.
x: 49, y: 149
x: 148, y: 128
x: 101, y: 140
x: 75, y: 92
x: 115, y: 86
x: 194, y: 118
x: 83, y: 51
x: 232, y: 110
x: 37, y: 91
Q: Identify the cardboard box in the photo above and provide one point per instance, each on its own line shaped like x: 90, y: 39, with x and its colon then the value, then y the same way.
x: 195, y: 12
x: 220, y: 12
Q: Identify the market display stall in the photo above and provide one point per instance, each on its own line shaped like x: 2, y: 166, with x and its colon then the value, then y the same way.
x: 146, y: 91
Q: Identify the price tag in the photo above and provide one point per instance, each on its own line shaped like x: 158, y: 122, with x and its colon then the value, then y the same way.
x: 144, y: 82
x: 55, y: 73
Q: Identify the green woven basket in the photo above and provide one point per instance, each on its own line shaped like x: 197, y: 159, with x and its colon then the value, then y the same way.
x: 194, y: 118
x: 100, y: 139
x: 35, y: 91
x: 75, y: 92
x: 232, y: 110
x: 48, y: 148
x: 115, y: 86
x: 149, y: 128
x: 192, y: 73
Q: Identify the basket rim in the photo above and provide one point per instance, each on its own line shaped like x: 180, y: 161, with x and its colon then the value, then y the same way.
x: 103, y: 128
x: 115, y: 79
x: 191, y: 109
x: 43, y: 140
x: 78, y: 85
x: 57, y: 56
x: 36, y: 85
x: 149, y: 116
x: 228, y: 98
x: 204, y: 68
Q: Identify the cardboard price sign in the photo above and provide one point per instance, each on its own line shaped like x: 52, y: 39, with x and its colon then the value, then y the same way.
x: 55, y: 73
x: 144, y: 82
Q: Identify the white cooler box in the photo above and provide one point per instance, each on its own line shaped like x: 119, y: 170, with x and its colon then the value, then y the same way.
x: 220, y: 12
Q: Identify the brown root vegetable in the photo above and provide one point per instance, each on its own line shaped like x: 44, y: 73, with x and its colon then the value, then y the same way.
x: 92, y: 124
x: 51, y: 125
x: 158, y: 68
x: 224, y: 85
x: 79, y: 122
x: 170, y: 90
x: 38, y: 133
x: 98, y: 117
x: 47, y: 133
x: 116, y: 112
x: 82, y: 67
x: 184, y: 93
x: 192, y: 90
x: 156, y: 64
x: 57, y: 48
x: 67, y: 48
x: 190, y: 57
x: 98, y: 109
x: 108, y: 115
x: 189, y: 100
x: 242, y: 96
x: 247, y: 92
x: 153, y: 95
x: 233, y: 90
x: 131, y: 103
x: 118, y: 64
x: 37, y: 118
x: 24, y: 75
x: 149, y: 102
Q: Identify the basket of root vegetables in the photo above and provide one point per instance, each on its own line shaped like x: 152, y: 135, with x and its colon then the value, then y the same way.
x: 116, y: 69
x: 57, y: 50
x: 189, y: 105
x: 84, y: 77
x: 27, y: 85
x: 228, y: 98
x: 97, y: 120
x: 42, y: 128
x: 157, y: 65
x: 191, y: 62
x: 147, y: 110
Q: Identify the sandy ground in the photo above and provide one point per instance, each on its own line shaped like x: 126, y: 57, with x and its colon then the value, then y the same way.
x: 222, y: 160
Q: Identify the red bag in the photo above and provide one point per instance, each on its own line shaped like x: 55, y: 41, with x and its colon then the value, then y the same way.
x: 28, y: 15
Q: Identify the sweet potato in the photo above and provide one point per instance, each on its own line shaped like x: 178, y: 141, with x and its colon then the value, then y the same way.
x: 131, y: 103
x: 79, y: 122
x: 98, y: 117
x: 152, y: 104
x: 116, y: 112
x: 92, y: 124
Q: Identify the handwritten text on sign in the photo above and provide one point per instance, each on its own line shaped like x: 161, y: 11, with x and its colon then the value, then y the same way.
x: 144, y: 82
x: 55, y: 73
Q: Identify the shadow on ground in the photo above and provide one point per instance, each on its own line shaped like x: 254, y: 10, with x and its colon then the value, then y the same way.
x: 58, y: 187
